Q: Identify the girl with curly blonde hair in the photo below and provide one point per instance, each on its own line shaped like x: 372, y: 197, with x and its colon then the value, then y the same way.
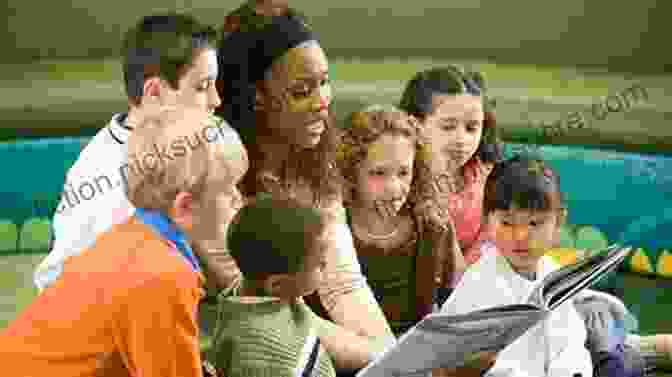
x: 383, y: 159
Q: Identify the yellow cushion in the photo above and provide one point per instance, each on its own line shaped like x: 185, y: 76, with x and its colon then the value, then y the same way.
x: 9, y: 236
x: 565, y: 255
x: 35, y: 234
x: 640, y: 262
x: 665, y: 264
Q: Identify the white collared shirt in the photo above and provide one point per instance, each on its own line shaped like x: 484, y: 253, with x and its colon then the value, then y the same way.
x: 94, y: 196
x: 92, y: 201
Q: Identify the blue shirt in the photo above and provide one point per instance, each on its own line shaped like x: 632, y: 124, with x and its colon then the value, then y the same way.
x: 169, y: 231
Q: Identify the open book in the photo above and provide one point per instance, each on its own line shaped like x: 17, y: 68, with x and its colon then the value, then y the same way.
x: 450, y: 341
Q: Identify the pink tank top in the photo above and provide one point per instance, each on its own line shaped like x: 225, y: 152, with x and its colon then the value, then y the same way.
x: 466, y: 207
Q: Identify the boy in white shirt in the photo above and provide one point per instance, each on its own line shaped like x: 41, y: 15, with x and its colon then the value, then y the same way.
x: 168, y: 59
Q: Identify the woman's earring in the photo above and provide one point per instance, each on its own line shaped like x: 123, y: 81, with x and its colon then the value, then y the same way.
x: 277, y: 103
x: 258, y: 104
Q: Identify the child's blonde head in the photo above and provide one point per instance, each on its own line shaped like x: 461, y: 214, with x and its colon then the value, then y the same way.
x: 179, y: 150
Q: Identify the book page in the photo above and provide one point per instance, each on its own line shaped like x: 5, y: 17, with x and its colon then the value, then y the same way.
x: 603, y: 264
x: 564, y: 283
x: 449, y: 341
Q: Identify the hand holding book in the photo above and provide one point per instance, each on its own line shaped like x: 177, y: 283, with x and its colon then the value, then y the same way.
x: 448, y: 341
x: 475, y: 367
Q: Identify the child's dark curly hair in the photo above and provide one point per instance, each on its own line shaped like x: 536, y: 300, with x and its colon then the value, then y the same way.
x: 418, y: 100
x: 363, y: 128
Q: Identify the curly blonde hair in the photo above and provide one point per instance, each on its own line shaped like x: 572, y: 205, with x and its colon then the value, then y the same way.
x: 363, y: 128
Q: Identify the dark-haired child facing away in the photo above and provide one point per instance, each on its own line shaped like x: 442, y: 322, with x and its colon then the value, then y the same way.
x: 265, y: 329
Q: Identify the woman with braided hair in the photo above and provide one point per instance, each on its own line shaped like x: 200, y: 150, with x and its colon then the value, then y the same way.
x: 274, y: 81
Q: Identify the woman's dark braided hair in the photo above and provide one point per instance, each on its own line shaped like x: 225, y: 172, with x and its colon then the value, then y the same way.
x: 250, y: 42
x: 245, y: 19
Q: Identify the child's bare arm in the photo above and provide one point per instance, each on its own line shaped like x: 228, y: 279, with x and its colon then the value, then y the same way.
x: 348, y: 350
x: 345, y: 294
x: 454, y: 263
x: 451, y: 261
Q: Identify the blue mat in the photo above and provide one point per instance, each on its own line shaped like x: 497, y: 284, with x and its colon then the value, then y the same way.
x: 627, y: 197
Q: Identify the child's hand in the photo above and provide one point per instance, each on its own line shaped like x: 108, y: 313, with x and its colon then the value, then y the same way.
x: 434, y: 215
x: 476, y: 367
x: 209, y: 370
x: 385, y: 209
x: 482, y: 361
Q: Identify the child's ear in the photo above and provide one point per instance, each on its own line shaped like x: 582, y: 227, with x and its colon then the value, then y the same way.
x: 275, y: 283
x: 489, y: 226
x: 562, y: 216
x: 258, y: 99
x: 151, y: 87
x: 264, y: 100
x: 561, y: 219
x: 182, y: 211
x: 489, y: 220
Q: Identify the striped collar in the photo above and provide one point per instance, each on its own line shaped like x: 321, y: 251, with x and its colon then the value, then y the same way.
x: 118, y: 128
x: 170, y: 232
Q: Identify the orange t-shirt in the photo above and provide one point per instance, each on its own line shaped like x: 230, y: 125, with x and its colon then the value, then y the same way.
x: 125, y: 307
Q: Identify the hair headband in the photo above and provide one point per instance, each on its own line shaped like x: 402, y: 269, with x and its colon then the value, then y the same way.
x: 246, y: 54
x: 471, y: 86
x: 254, y: 51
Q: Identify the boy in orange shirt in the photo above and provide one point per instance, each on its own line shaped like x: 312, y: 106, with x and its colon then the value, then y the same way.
x: 127, y: 305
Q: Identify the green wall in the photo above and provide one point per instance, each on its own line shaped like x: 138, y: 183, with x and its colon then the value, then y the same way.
x: 626, y: 35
